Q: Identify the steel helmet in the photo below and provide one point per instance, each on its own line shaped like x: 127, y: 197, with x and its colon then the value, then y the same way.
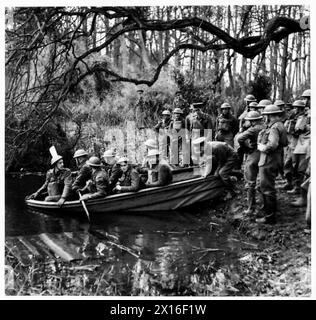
x: 264, y: 102
x: 109, y: 153
x: 166, y: 112
x: 250, y: 97
x: 153, y: 152
x: 122, y: 159
x: 253, y: 115
x: 151, y: 143
x: 178, y: 110
x: 279, y: 103
x: 271, y: 109
x: 306, y: 93
x: 55, y: 159
x: 225, y: 105
x: 299, y: 104
x: 253, y: 104
x: 80, y: 153
x: 94, y: 162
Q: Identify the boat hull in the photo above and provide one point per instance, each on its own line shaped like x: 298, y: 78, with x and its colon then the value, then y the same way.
x: 171, y: 197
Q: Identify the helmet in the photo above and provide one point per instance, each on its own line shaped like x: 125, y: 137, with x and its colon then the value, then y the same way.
x: 153, y: 152
x: 299, y: 104
x: 250, y: 97
x: 109, y: 153
x: 306, y: 93
x: 253, y: 104
x: 279, y: 103
x: 80, y: 153
x: 178, y: 110
x: 122, y: 159
x: 198, y: 140
x: 55, y: 158
x: 94, y: 162
x: 166, y: 112
x: 264, y: 102
x: 271, y: 109
x: 225, y: 105
x: 253, y: 115
x: 151, y: 143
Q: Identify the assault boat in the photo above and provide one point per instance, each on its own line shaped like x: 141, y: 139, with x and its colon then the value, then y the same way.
x: 174, y: 196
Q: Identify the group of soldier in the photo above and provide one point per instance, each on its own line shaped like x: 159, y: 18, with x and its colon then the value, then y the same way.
x: 268, y: 139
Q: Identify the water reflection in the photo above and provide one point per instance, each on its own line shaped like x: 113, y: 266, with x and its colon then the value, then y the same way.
x: 159, y: 250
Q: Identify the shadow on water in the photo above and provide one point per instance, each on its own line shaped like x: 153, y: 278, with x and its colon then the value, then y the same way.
x: 168, y: 244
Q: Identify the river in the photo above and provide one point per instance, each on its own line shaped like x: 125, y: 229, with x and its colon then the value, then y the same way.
x: 185, y: 237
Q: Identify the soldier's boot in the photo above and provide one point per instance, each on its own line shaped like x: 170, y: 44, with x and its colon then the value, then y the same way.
x: 289, y: 182
x: 251, y: 199
x: 270, y: 208
x: 302, y: 200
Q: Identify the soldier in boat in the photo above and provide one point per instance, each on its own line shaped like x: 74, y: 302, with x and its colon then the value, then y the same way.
x: 99, y: 184
x: 111, y: 167
x: 57, y: 184
x: 129, y: 180
x: 84, y: 173
x: 160, y: 173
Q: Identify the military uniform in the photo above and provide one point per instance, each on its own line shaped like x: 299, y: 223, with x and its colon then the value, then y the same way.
x: 225, y: 159
x: 226, y: 128
x: 114, y: 172
x: 248, y: 141
x: 129, y: 180
x: 57, y: 184
x: 98, y: 185
x: 302, y: 134
x: 83, y: 175
x: 273, y: 139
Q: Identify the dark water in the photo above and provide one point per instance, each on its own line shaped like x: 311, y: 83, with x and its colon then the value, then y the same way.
x: 180, y: 235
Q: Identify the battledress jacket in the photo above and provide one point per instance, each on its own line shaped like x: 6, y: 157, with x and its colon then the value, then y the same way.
x: 99, y: 184
x: 129, y: 180
x: 57, y: 183
x: 82, y: 177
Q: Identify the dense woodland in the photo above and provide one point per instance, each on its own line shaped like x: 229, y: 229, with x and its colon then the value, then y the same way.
x: 73, y: 72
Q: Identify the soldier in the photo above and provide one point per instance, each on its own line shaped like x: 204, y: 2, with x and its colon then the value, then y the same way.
x: 140, y: 111
x: 160, y: 173
x: 252, y: 107
x: 262, y: 104
x: 248, y: 140
x: 164, y: 122
x: 181, y: 103
x: 178, y: 135
x: 111, y: 167
x: 292, y: 139
x: 57, y: 184
x: 281, y: 105
x: 301, y: 139
x: 248, y: 99
x: 129, y: 180
x: 271, y: 142
x: 98, y: 185
x: 84, y: 173
x: 198, y: 121
x: 227, y: 125
x: 224, y: 158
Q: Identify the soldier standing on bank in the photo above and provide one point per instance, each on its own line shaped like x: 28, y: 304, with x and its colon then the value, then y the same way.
x: 226, y: 125
x: 248, y: 99
x: 248, y: 141
x: 271, y: 142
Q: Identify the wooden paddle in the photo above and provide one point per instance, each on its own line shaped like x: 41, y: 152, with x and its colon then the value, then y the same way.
x: 84, y: 207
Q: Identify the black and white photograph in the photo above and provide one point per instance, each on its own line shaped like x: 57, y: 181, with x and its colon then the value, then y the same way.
x: 157, y: 151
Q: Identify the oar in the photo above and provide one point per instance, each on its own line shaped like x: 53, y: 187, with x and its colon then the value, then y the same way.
x: 84, y: 207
